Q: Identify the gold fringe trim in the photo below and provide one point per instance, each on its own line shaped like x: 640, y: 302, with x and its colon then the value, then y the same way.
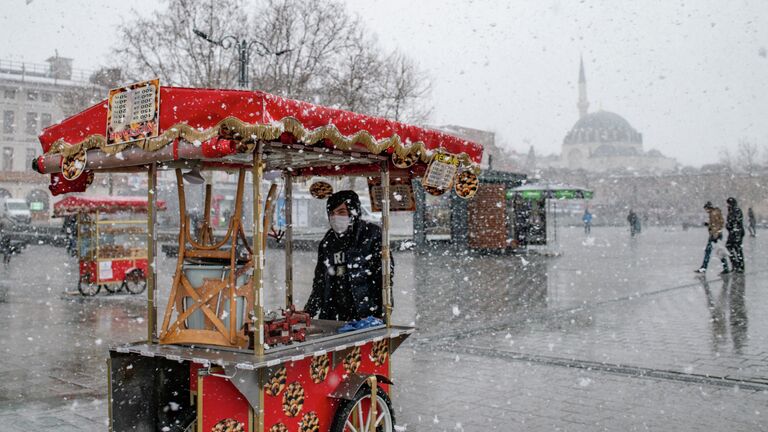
x: 236, y: 129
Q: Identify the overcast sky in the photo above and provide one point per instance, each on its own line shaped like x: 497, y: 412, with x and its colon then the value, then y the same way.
x: 691, y: 76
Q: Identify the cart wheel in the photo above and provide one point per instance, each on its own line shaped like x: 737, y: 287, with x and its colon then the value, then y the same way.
x: 87, y: 288
x: 135, y: 282
x: 352, y: 415
x: 111, y: 288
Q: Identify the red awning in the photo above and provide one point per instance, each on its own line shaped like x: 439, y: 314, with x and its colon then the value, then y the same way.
x: 104, y: 204
x: 203, y: 109
x: 213, y: 125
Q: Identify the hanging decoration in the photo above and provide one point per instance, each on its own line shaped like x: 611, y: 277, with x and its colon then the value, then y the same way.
x: 466, y: 184
x: 72, y: 166
x: 321, y: 189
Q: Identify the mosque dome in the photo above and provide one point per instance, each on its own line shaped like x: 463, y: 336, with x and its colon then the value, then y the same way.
x: 603, y: 127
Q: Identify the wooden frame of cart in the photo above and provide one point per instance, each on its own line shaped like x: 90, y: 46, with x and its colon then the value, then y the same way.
x: 206, y: 364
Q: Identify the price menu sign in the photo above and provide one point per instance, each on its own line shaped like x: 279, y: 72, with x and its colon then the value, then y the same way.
x: 400, y: 194
x: 441, y: 171
x: 133, y: 112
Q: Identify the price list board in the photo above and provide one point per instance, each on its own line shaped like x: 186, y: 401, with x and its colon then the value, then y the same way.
x: 133, y: 112
x: 400, y: 194
x: 441, y: 171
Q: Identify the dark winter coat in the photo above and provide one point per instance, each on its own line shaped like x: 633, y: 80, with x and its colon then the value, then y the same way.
x: 735, y: 225
x: 361, y: 280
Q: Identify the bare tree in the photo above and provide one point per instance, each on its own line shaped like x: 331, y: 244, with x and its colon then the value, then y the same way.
x: 726, y: 159
x: 747, y: 156
x: 403, y: 90
x: 353, y: 84
x: 318, y: 35
x: 165, y: 46
x: 331, y: 60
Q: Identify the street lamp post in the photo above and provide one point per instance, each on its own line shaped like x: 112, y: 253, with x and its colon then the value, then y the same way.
x: 243, y: 48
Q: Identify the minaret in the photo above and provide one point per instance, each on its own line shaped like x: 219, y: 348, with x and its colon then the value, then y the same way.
x: 583, y: 103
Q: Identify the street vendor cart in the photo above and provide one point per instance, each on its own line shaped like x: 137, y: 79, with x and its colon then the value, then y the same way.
x: 218, y: 361
x: 110, y: 242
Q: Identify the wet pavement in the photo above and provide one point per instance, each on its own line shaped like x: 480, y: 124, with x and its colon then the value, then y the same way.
x: 616, y: 333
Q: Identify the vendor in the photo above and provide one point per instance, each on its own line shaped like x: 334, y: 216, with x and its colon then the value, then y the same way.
x: 347, y: 283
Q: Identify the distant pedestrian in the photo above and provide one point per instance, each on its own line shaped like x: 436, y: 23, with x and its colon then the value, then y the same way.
x: 638, y: 225
x: 634, y: 223
x: 715, y: 227
x: 752, y: 222
x: 69, y: 230
x: 587, y: 219
x: 735, y: 226
x: 5, y: 245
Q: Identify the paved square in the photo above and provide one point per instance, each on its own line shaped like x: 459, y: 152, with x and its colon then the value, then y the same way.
x: 615, y: 334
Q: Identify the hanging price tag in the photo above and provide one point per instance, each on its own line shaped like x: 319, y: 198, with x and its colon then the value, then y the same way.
x: 400, y: 194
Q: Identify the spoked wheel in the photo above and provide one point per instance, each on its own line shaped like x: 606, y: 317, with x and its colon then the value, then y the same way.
x: 355, y: 415
x: 135, y: 282
x: 88, y: 288
x: 111, y: 288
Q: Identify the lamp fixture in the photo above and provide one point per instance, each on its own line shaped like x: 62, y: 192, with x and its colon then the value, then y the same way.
x: 193, y: 176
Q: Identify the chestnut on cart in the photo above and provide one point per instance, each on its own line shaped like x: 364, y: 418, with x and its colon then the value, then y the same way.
x: 213, y: 360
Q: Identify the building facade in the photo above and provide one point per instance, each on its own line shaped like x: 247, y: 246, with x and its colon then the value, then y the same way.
x: 32, y: 97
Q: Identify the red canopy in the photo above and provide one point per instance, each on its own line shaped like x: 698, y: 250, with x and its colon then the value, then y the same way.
x: 205, y: 108
x: 104, y: 204
x: 212, y: 125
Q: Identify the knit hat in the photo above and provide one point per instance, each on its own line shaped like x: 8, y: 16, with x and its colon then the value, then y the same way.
x: 341, y: 197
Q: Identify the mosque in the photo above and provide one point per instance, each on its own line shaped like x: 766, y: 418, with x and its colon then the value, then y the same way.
x: 605, y: 141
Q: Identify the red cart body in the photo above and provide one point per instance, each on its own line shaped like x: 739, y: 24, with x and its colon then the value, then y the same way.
x: 113, y: 271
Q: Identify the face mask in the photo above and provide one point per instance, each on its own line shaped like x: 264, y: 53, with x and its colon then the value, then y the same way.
x: 340, y: 223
